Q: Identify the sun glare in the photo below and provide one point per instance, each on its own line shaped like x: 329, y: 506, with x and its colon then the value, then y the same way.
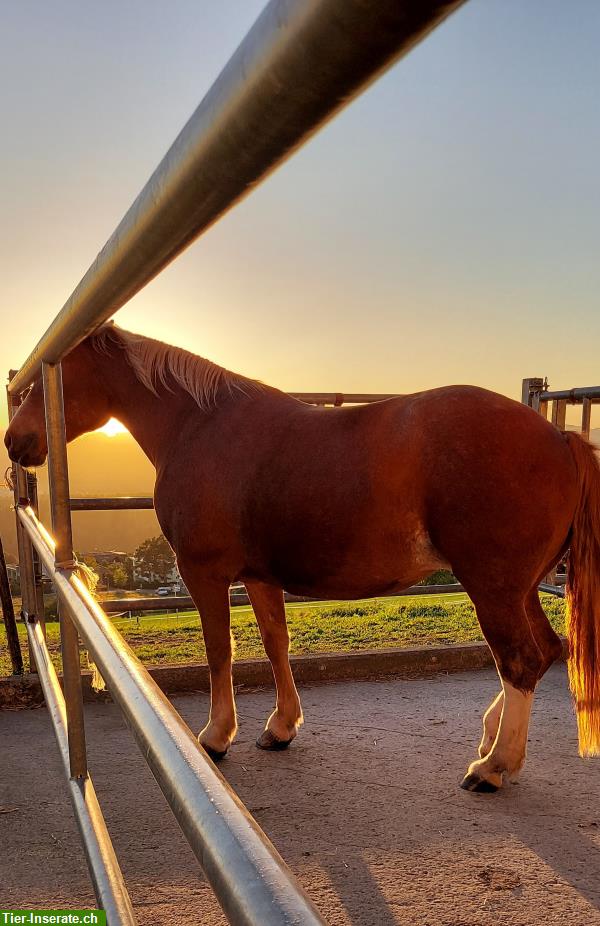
x: 112, y: 428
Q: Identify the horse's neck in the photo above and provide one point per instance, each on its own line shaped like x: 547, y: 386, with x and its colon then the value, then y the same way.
x: 151, y: 420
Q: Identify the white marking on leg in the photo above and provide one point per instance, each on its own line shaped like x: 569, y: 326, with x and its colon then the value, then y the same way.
x: 491, y: 722
x: 507, y: 755
x: 514, y: 727
x: 222, y: 722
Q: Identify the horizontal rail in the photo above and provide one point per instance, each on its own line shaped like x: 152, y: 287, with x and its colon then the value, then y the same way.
x: 248, y: 876
x: 117, y: 605
x: 299, y: 64
x: 571, y: 396
x: 167, y: 603
x: 557, y: 590
x: 184, y: 602
x: 109, y: 886
x: 8, y: 613
x: 343, y: 398
x: 112, y: 503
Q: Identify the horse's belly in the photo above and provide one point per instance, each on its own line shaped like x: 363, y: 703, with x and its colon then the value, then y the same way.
x: 363, y: 570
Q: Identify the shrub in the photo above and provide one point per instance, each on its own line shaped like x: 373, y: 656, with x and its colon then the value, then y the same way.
x: 441, y: 577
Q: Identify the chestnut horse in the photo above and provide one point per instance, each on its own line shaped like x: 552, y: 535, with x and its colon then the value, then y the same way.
x: 256, y: 486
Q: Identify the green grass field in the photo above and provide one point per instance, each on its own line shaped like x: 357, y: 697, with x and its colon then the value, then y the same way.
x: 322, y: 627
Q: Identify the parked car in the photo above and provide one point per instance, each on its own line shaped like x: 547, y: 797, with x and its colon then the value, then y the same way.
x: 164, y: 590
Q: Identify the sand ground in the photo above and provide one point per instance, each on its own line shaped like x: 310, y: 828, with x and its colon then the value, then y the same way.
x: 364, y: 807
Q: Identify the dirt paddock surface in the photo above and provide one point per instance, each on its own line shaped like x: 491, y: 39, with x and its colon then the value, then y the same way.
x: 365, y: 807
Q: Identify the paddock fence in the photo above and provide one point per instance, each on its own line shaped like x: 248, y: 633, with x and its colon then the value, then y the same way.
x: 302, y: 61
x: 552, y: 405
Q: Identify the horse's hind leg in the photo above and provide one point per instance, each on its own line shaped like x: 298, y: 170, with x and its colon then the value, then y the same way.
x: 521, y: 658
x: 546, y: 638
x: 491, y: 722
x: 551, y: 649
x: 269, y: 608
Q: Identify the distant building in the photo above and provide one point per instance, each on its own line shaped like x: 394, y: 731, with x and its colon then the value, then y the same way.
x: 103, y: 557
x: 172, y: 577
x: 14, y: 578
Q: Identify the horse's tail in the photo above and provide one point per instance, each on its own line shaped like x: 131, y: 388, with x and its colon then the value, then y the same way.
x: 583, y: 597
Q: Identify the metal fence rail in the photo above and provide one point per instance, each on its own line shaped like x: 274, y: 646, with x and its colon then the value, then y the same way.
x: 107, y: 878
x: 249, y: 877
x: 185, y: 603
x: 572, y: 396
x: 118, y: 503
x: 302, y: 61
x: 343, y: 398
x: 536, y: 394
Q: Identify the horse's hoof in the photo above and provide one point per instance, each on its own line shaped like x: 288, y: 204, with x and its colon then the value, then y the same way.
x: 269, y: 741
x: 480, y: 785
x: 215, y: 754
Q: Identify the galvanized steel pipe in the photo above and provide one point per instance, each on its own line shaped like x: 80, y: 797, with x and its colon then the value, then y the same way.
x: 113, y: 503
x: 301, y: 62
x: 58, y: 479
x: 343, y: 398
x: 572, y: 396
x: 250, y: 879
x: 107, y: 878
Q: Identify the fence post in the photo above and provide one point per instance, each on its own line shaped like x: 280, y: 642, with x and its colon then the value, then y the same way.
x: 559, y: 413
x: 25, y: 548
x: 38, y: 589
x: 530, y: 391
x: 559, y: 419
x: 12, y: 634
x: 586, y: 417
x: 539, y: 406
x: 58, y: 478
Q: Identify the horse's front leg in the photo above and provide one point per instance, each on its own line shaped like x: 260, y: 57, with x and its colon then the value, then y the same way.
x: 269, y: 608
x: 212, y: 600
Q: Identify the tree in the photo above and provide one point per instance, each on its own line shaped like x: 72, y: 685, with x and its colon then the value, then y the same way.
x: 90, y: 561
x: 154, y: 558
x: 118, y: 575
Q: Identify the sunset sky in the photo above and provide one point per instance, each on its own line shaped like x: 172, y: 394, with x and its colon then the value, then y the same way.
x: 444, y: 228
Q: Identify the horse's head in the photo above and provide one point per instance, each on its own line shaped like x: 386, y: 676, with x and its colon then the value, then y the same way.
x: 86, y: 407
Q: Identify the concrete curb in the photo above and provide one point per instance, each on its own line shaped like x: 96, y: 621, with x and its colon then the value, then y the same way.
x: 19, y: 692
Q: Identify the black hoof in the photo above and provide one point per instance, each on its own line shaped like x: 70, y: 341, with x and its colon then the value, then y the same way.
x: 480, y: 785
x: 269, y: 741
x: 215, y: 754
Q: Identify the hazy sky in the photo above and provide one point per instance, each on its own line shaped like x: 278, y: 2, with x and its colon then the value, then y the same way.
x: 445, y: 228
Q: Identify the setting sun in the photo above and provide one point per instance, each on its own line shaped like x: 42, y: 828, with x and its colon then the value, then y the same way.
x: 112, y: 428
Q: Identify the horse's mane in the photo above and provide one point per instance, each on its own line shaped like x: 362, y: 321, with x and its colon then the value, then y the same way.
x: 155, y: 363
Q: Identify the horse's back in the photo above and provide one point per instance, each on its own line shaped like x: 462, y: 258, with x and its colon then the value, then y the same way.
x: 360, y: 499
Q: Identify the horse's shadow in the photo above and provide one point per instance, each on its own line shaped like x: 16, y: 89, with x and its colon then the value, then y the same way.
x: 387, y: 788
